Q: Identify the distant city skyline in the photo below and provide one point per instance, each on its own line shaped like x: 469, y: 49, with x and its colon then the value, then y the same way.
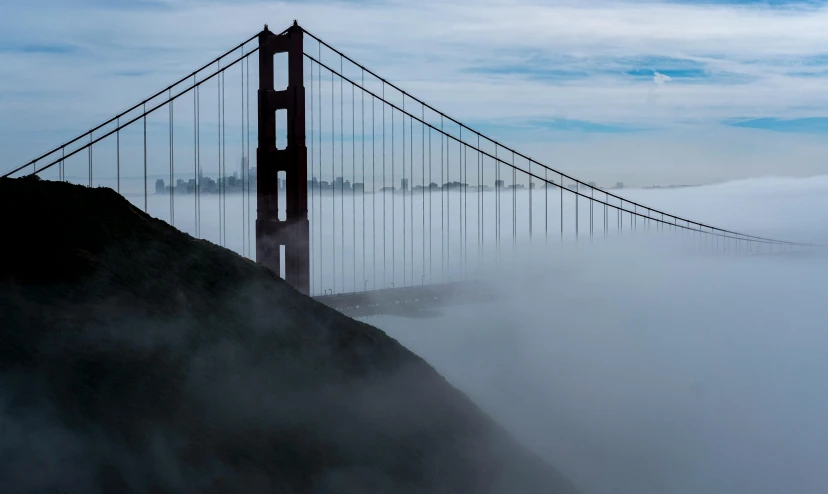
x: 234, y: 183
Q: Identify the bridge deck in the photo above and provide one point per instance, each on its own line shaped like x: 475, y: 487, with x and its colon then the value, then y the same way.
x: 413, y: 301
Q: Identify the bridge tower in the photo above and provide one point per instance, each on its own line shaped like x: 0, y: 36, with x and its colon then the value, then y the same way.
x: 293, y: 233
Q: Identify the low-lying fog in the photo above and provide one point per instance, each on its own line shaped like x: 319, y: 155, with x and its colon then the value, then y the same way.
x: 641, y: 369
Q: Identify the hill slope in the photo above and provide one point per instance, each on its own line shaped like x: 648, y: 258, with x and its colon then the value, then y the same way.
x: 134, y: 358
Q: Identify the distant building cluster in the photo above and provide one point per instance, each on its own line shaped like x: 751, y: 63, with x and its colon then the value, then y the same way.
x: 234, y: 184
x: 207, y: 185
x: 345, y: 186
x: 247, y: 180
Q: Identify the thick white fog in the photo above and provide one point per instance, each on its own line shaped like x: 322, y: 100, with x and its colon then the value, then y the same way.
x: 638, y: 369
x: 634, y: 364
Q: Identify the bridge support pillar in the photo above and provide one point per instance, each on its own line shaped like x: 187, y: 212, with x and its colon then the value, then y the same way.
x: 292, y: 233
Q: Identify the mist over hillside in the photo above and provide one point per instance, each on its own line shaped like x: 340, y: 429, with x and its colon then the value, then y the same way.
x: 134, y: 358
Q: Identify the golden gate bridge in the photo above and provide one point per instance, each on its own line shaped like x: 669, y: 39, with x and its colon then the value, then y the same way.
x: 359, y: 193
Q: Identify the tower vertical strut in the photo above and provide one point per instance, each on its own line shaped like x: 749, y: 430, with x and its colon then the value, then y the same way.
x: 293, y: 233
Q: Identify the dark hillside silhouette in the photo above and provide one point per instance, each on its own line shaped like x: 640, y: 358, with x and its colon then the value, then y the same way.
x: 135, y: 358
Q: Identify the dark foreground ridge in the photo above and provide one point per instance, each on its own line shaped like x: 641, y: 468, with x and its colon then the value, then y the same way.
x: 136, y: 359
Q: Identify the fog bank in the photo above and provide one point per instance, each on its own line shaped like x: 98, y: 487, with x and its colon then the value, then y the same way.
x: 641, y: 369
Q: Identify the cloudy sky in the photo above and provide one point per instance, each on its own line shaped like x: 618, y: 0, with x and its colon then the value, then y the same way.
x: 640, y: 91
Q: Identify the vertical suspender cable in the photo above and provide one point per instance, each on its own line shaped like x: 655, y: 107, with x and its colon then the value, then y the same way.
x: 498, y: 190
x: 402, y: 192
x: 577, y: 218
x: 247, y: 202
x: 531, y: 183
x: 422, y: 108
x: 353, y: 179
x: 313, y: 173
x: 333, y: 184
x: 384, y: 185
x: 117, y: 155
x: 430, y: 212
x: 448, y: 207
x: 195, y: 159
x: 321, y: 207
x: 411, y: 189
x: 514, y: 207
x: 374, y: 189
x: 442, y: 206
x: 591, y: 199
x: 244, y: 159
x: 145, y: 157
x: 342, y: 169
x: 393, y: 205
x: 464, y: 240
x: 172, y: 165
x: 223, y: 164
x: 218, y: 140
x: 199, y: 183
x: 362, y: 138
x: 89, y: 151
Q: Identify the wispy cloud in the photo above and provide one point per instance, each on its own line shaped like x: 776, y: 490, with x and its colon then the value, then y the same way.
x: 60, y: 49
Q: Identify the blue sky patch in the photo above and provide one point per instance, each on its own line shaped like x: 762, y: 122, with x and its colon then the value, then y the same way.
x: 814, y: 60
x: 673, y: 74
x: 563, y: 69
x: 800, y: 125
